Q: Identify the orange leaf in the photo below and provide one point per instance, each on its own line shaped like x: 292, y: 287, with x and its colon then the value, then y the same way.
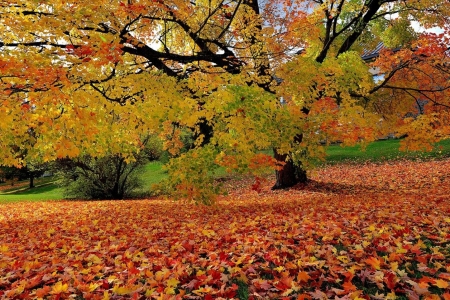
x: 44, y: 291
x: 349, y: 287
x: 373, y: 262
x: 303, y: 276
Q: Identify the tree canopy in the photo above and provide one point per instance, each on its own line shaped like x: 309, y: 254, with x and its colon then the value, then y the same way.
x: 95, y: 77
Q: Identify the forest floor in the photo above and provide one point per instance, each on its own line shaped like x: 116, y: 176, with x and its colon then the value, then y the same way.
x: 368, y: 231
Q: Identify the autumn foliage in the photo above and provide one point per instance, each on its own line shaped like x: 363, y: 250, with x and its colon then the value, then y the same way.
x: 93, y: 78
x: 362, y: 232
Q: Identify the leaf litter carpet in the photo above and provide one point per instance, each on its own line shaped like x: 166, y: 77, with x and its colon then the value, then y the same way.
x: 354, y: 232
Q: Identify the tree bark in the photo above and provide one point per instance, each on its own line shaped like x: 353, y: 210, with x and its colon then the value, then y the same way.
x: 31, y: 180
x: 290, y: 174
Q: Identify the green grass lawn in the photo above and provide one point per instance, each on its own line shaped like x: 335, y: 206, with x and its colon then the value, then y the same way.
x: 152, y: 173
x: 48, y: 191
x: 381, y: 151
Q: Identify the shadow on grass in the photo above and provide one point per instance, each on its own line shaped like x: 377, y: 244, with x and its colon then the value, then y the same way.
x: 48, y: 187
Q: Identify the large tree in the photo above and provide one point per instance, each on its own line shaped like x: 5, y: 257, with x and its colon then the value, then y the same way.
x: 95, y: 75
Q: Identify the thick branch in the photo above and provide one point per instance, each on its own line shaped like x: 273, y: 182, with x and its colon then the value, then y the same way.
x: 35, y: 44
x: 361, y: 24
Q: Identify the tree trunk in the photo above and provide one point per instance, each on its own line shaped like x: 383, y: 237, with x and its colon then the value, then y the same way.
x: 31, y: 180
x: 290, y: 174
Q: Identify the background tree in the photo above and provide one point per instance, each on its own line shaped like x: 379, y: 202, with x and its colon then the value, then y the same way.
x: 23, y: 173
x: 167, y: 65
x: 31, y: 172
x: 7, y: 173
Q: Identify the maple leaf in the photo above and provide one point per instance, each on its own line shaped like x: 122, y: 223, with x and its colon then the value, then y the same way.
x: 44, y: 291
x: 36, y: 280
x: 172, y: 282
x: 420, y: 290
x: 441, y: 283
x: 122, y: 290
x: 202, y: 291
x: 264, y: 284
x: 169, y: 290
x: 349, y: 287
x: 303, y: 276
x: 374, y: 262
x: 93, y: 286
x: 59, y: 288
x: 208, y: 233
x: 390, y: 279
x: 318, y: 295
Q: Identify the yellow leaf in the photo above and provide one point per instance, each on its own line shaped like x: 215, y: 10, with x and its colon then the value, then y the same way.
x: 59, y: 288
x: 343, y: 259
x: 421, y: 244
x: 149, y: 293
x: 287, y: 292
x: 401, y: 250
x: 105, y: 295
x: 366, y: 243
x: 208, y: 233
x: 394, y: 266
x: 172, y: 282
x: 203, y: 290
x: 279, y: 269
x: 169, y: 290
x: 94, y: 259
x: 121, y: 290
x: 243, y: 278
x: 391, y: 296
x: 440, y: 283
x: 93, y: 287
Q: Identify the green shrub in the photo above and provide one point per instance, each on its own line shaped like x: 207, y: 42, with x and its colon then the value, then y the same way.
x: 109, y: 177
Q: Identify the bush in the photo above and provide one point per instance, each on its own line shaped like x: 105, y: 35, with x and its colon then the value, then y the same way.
x: 109, y: 177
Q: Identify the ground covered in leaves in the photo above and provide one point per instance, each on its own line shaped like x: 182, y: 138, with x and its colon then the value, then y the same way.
x: 354, y: 232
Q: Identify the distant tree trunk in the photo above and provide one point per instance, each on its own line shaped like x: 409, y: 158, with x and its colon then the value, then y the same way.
x: 31, y: 180
x: 119, y: 164
x: 290, y: 174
